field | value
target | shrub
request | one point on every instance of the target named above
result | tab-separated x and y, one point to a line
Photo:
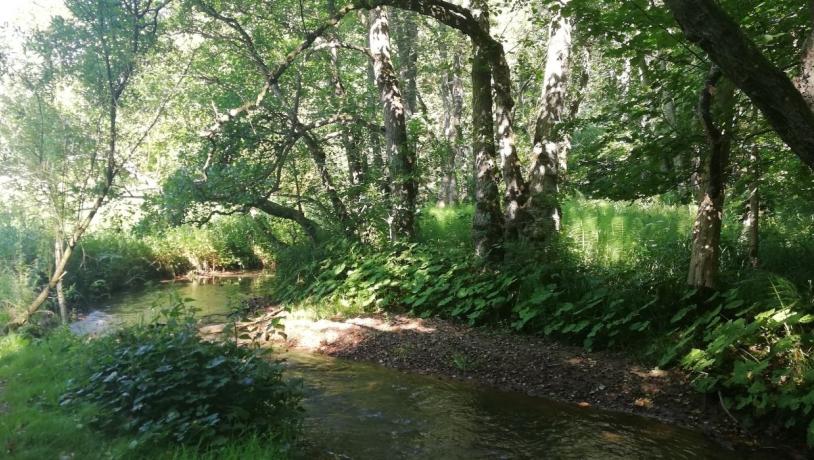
425	281
163	383
106	262
753	351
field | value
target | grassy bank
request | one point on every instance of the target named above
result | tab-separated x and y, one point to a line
36	424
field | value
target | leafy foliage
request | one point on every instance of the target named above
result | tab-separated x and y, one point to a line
163	383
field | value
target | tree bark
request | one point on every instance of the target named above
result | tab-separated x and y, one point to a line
400	157
487	231
406	33
805	82
515	187
751	221
771	90
550	144
706	246
61	302
354	157
271	208
452	96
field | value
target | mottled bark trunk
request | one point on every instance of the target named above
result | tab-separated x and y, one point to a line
771	90
400	157
706	246
515	187
59	244
751	221
805	82
487	231
406	33
697	177
550	144
453	94
376	154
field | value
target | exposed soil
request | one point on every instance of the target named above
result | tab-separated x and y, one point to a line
533	365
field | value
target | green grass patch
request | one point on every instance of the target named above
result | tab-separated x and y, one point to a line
35	373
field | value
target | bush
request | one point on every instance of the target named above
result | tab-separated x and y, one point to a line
423	280
752	349
230	242
106	262
163	383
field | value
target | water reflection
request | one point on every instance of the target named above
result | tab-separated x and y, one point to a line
358	410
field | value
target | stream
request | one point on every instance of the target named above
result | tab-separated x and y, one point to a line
358	410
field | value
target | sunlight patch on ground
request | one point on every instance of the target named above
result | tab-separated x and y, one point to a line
308	334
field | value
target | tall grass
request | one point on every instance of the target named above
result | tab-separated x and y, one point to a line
609	232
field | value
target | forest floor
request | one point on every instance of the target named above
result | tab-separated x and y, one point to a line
532	365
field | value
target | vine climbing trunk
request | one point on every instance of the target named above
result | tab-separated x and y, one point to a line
550	144
487	231
400	157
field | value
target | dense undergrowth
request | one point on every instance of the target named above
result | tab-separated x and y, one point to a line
614	280
143	392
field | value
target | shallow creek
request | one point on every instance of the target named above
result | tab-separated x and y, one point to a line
363	411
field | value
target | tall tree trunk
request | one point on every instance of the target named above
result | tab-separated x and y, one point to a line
400	157
706	246
487	231
406	33
751	221
453	94
550	145
111	169
515	187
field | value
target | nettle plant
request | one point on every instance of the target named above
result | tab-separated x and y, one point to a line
162	383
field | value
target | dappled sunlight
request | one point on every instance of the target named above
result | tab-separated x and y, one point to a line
336	336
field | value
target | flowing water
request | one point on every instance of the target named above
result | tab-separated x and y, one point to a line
363	411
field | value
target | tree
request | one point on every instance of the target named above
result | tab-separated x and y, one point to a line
400	156
706	233
487	231
101	48
550	143
452	94
771	90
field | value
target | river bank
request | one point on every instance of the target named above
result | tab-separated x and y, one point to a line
528	364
